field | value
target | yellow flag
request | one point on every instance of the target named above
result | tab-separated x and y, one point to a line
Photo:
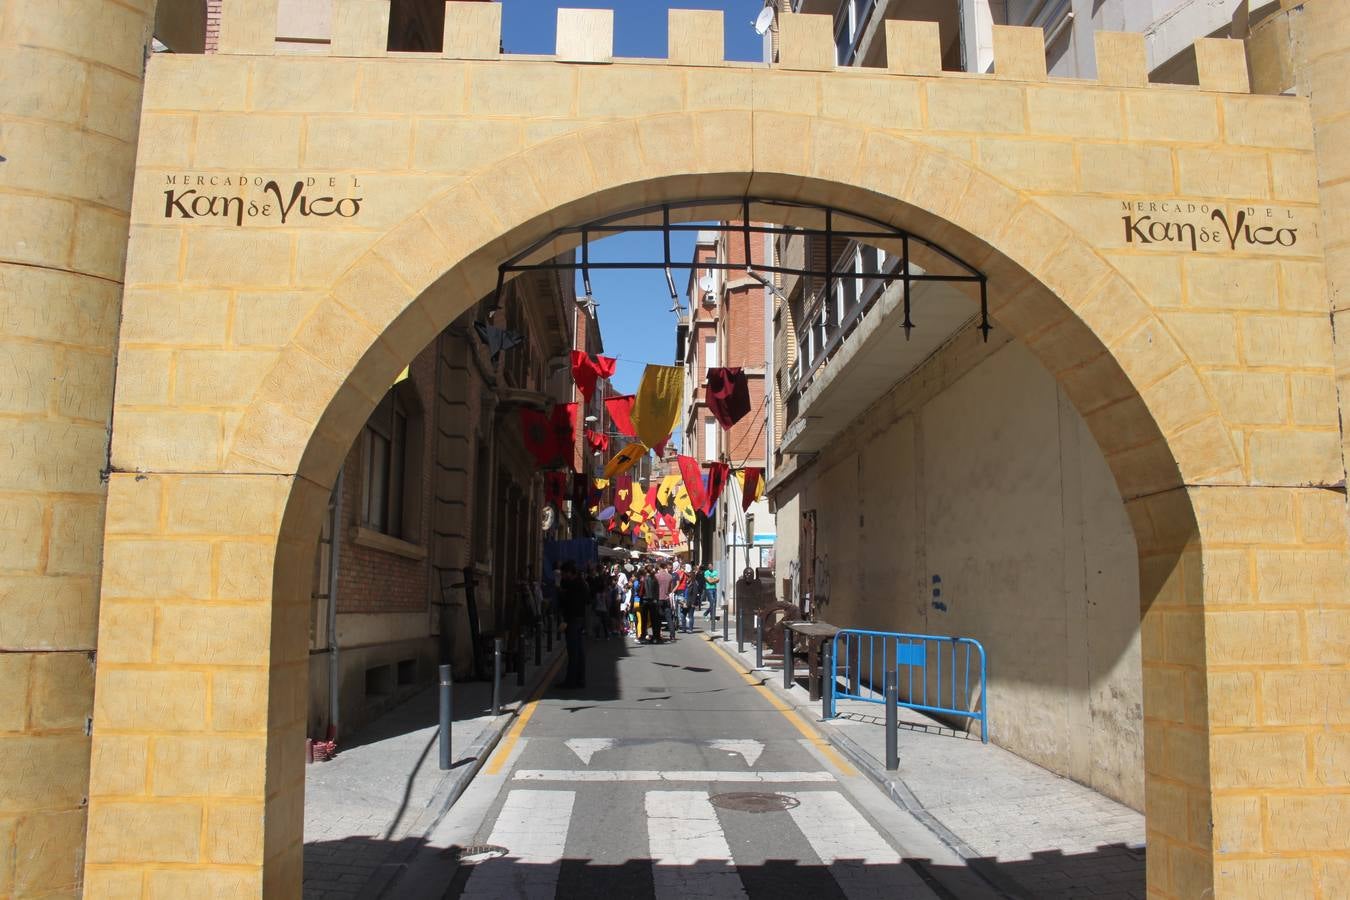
684	506
667	484
601	483
639	499
625	459
657	407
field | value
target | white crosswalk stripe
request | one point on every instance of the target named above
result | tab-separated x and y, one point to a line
689	853
860	860
532	825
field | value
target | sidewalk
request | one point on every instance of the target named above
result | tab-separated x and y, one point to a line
370	807
1029	832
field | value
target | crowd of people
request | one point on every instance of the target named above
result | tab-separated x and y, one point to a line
649	603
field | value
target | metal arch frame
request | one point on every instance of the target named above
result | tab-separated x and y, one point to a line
618	223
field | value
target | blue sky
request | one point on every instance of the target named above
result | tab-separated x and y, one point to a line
635	318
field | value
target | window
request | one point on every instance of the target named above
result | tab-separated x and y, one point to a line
710	439
709	354
390	463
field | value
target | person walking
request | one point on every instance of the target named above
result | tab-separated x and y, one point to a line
651	605
572	596
684	611
695	592
710	581
665	584
639	611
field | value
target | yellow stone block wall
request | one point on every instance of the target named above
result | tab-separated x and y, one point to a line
69	104
1206	377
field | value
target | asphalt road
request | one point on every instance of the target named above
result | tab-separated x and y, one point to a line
675	774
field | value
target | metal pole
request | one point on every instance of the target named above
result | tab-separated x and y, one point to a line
892	720
538	636
520	660
788	675
496	676
740	629
447	715
548	629
827	680
759	642
725	626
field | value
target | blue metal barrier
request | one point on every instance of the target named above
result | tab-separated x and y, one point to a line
920	660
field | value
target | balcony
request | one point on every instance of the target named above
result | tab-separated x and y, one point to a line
853	349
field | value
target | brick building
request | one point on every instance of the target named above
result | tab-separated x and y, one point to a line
440	490
727	328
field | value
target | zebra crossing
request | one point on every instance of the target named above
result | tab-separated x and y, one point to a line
690	844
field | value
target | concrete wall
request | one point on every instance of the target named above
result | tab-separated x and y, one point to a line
986	487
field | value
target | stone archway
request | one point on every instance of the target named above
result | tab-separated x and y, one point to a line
211	514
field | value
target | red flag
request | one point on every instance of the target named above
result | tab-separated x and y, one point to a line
753	487
597	440
555	487
537	431
660	449
620	411
587	369
563	423
693	481
717	479
728	395
623	486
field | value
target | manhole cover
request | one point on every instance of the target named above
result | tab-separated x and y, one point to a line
477	853
754	801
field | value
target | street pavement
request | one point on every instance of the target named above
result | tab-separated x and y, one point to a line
676	774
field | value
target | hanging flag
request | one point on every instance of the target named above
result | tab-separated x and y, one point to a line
752	485
587	369
497	339
537	431
555	488
668	484
597	440
717	479
563	421
684	507
625	459
728	395
658	403
660	449
693	481
620	410
622	485
601	483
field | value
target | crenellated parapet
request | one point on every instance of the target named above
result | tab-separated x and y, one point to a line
360	29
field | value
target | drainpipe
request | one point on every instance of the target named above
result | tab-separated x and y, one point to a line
335	511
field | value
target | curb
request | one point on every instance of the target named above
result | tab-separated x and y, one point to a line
893	787
457	782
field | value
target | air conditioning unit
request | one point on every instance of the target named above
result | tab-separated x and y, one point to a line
710	299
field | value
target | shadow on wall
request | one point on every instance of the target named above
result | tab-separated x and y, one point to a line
1110	871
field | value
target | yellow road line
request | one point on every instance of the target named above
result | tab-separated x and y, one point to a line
508	743
805	728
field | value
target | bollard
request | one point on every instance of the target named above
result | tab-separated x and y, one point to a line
538	637
520	660
827	680
788	675
740	631
548	629
892	720
447	715
759	642
496	676
724	628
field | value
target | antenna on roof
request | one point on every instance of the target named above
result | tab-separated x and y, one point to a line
765	20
